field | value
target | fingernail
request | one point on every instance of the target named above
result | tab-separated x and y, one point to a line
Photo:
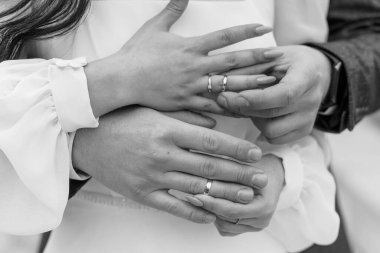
211	122
259	181
273	54
222	101
254	154
245	195
261	30
194	201
265	79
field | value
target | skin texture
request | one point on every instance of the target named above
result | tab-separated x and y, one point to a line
146	153
141	154
161	70
286	111
255	215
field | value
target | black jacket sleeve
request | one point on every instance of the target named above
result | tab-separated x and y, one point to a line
355	40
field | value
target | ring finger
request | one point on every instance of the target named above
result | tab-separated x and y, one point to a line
220	83
218	189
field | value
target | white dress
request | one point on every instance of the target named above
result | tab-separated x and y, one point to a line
42	102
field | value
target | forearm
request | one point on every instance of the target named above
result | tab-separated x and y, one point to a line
107	89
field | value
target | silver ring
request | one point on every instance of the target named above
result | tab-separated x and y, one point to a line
208	187
209	86
237	221
225	80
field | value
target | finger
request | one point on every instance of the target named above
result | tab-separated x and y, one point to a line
268	113
289	137
193	118
170	14
279	127
202	104
228	227
257	223
197	185
229	36
292	87
221	83
263	68
225	208
216	168
279	95
233	60
163	201
213	142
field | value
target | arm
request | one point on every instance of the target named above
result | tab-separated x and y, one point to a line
354	40
40	103
43	101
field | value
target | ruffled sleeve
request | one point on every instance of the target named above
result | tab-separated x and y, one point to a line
41	102
305	213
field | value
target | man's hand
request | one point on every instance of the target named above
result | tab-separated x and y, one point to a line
141	154
235	218
286	111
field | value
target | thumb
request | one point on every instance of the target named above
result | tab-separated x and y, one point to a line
172	12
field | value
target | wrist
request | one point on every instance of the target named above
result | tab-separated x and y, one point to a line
324	71
330	101
107	86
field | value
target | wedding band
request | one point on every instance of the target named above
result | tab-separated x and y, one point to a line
209	86
225	80
237	221
207	187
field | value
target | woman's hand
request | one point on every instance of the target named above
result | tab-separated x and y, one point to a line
286	111
141	154
161	70
236	218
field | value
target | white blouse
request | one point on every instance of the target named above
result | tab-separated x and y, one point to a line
42	102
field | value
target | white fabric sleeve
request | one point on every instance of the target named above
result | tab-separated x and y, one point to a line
41	101
305	213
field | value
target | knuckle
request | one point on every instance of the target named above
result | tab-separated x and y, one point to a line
231	61
247	82
225	37
250	31
210	142
174	7
208	168
195	187
173	208
240	150
224	193
241	175
160	156
206	106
